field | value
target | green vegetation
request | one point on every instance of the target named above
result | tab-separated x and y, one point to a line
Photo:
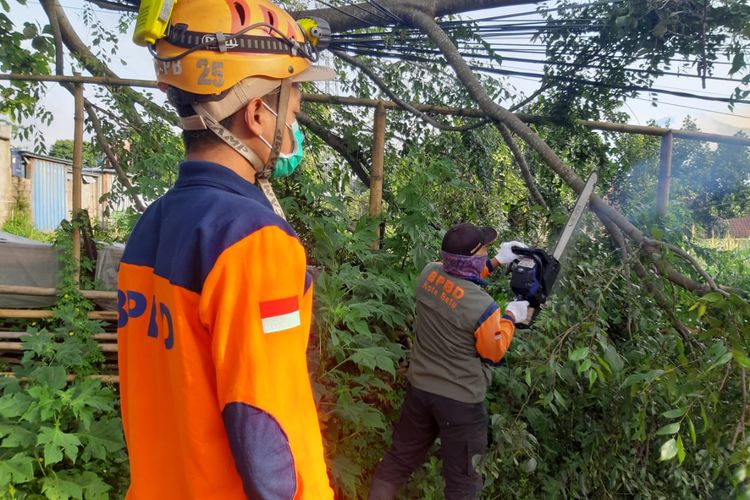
61	438
19	223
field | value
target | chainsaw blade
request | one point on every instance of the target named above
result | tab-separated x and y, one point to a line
575	217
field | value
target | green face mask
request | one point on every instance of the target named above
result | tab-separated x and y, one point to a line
287	163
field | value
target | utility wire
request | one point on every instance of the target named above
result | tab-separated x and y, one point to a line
385	9
562	78
654	73
344	12
368	12
692	107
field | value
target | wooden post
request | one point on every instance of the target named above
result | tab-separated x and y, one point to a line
77	177
376	174
665	174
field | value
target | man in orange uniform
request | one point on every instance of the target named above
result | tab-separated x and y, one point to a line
214	298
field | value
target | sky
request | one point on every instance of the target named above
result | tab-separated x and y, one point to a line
712	117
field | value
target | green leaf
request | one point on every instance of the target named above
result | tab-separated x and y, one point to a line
40	343
680	450
14	405
360	413
16	470
677	412
704	417
579	354
93	486
668	450
61	487
16	436
724	359
559	398
584	365
632	379
738	62
740	358
691	427
592	378
669	429
613	358
88	397
527	377
55	442
376	357
104	436
712	297
52	376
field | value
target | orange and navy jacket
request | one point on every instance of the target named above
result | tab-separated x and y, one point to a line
460	332
214	307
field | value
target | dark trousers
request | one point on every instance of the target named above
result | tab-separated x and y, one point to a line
462	428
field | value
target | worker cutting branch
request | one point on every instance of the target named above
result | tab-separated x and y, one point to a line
460	332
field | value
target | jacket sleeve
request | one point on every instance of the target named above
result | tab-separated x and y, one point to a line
493	334
256	304
488	269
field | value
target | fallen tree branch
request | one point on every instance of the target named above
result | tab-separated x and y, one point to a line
352	154
522	165
665	269
690	259
111	158
463	71
500	114
94	66
661	300
52	8
528	99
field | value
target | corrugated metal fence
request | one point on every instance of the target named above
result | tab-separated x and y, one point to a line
48	194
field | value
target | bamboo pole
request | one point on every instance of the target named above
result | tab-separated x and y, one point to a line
426	108
665	175
51	292
46	314
18	346
107	379
102	337
77	177
77	78
376	172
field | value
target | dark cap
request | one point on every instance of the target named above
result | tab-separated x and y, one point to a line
467	239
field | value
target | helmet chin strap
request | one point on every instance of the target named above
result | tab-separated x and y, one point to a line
262	170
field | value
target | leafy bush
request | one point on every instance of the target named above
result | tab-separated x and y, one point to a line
61	436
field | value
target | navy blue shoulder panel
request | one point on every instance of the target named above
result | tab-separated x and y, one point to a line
486	314
183	233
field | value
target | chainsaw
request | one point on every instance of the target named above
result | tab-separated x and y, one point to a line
534	273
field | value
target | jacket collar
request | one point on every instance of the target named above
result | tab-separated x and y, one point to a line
205	173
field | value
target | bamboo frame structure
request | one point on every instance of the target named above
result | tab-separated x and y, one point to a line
47	314
426	108
376	173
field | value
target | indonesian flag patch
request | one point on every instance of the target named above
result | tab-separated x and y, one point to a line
279	315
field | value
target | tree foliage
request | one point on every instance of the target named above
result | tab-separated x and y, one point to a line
63	148
629	384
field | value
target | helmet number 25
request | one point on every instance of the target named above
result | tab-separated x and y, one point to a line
212	74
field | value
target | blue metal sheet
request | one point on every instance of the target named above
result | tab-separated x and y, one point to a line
48	194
